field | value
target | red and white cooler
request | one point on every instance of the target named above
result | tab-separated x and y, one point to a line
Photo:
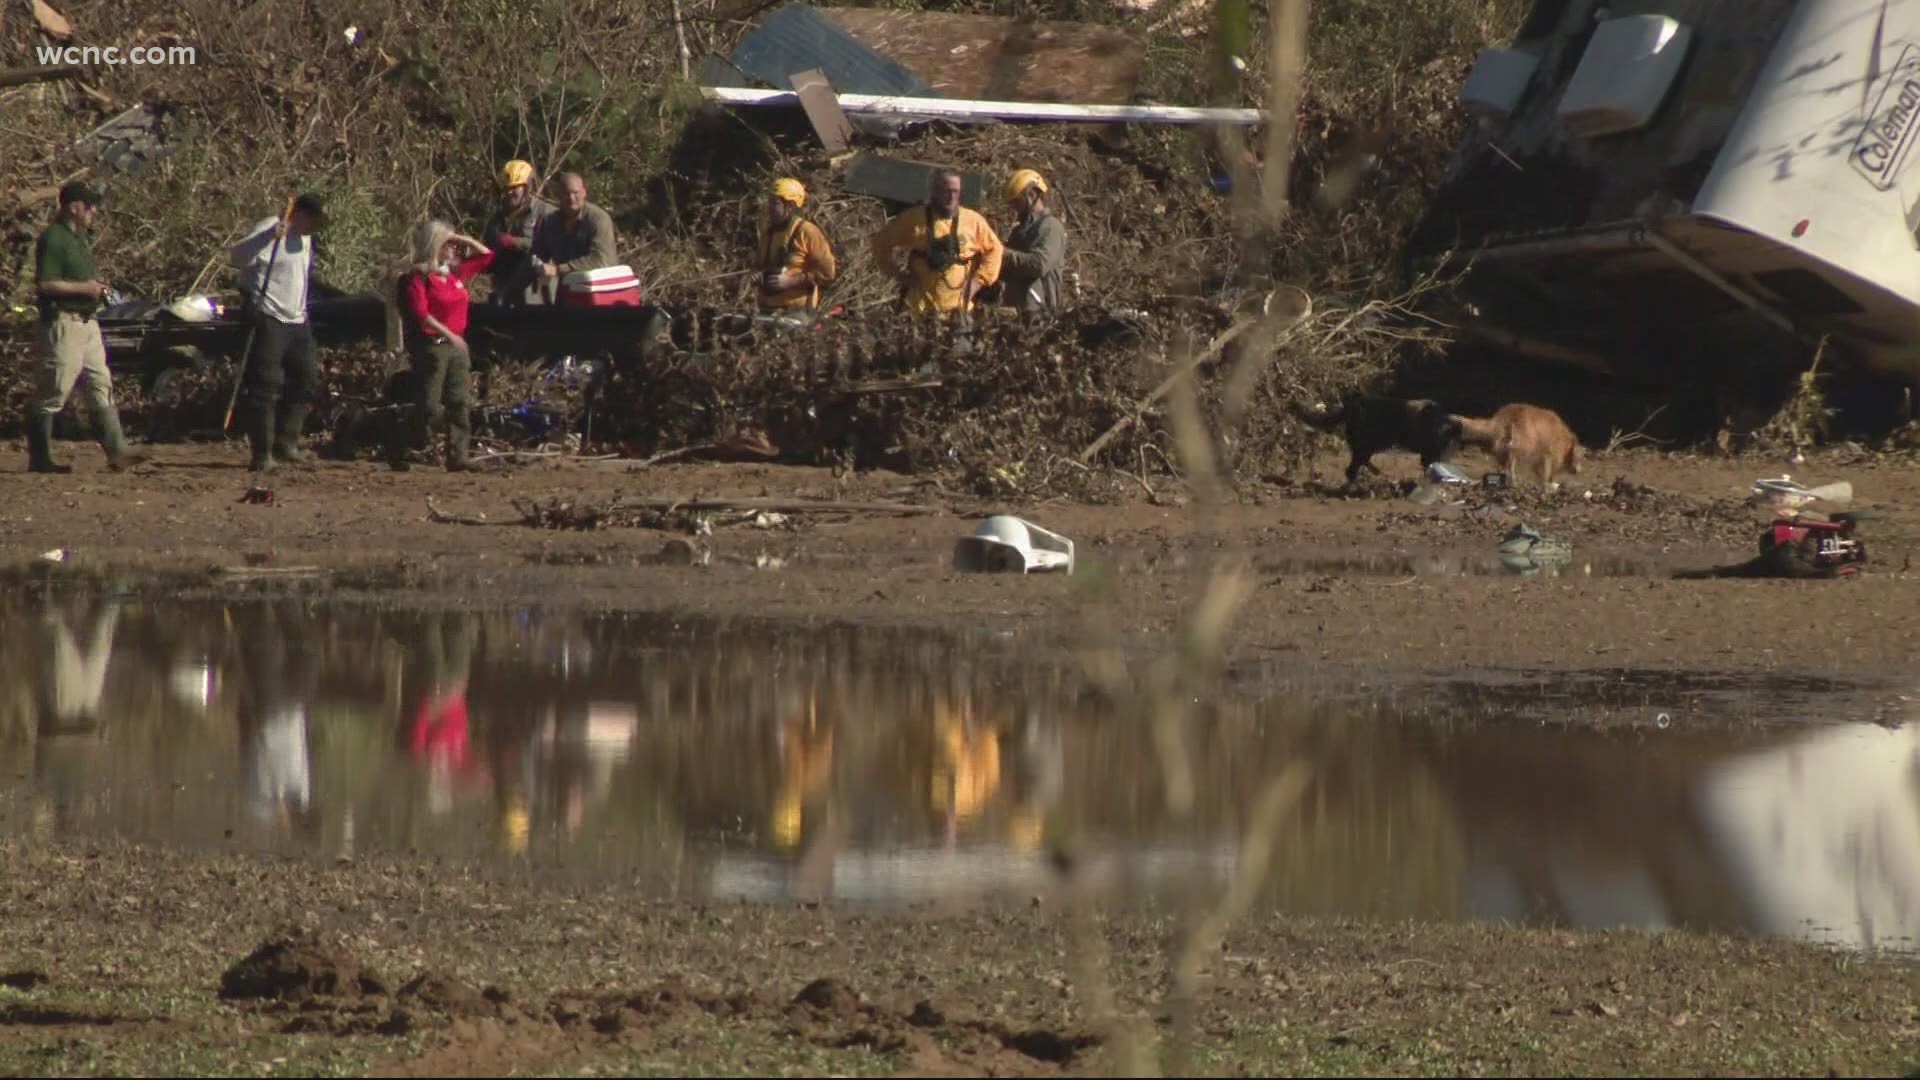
609	286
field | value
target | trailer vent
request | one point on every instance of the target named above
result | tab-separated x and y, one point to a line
1496	84
1624	75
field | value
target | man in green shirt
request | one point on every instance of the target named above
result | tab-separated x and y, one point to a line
579	236
70	343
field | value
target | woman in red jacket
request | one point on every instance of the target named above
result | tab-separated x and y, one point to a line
433	300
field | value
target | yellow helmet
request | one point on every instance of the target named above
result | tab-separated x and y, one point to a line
516	172
1019	182
790	189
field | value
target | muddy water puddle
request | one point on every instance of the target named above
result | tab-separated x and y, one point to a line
867	765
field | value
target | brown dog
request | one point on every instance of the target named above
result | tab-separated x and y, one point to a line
1525	440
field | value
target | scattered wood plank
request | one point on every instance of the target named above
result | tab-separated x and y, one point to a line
441	517
35	196
776	506
20	76
51	21
270	571
823	109
996	110
888	386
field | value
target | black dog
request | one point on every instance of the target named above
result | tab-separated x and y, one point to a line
1373	424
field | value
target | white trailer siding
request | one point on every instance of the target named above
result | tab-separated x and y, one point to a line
1820	160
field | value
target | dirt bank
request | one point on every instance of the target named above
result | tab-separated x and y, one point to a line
123	959
1348	587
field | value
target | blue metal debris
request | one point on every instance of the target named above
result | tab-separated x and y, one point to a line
798	37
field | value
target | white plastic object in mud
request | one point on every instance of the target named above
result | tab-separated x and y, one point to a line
197	308
1785	495
1009	545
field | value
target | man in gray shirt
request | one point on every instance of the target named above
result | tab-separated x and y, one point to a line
1033	270
282	372
579	236
510	231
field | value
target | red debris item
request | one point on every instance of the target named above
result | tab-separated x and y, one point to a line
259	496
1806	547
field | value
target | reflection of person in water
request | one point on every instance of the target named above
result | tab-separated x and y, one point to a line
277	680
966	763
579	746
68	697
511	765
438	736
806	762
71	697
1039	772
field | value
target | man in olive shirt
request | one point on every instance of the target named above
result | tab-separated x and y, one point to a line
70	341
579	236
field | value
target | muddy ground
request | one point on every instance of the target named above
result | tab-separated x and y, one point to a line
122	960
112	957
1350	587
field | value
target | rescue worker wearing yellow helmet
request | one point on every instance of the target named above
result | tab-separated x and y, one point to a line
509	233
952	253
1033	272
796	261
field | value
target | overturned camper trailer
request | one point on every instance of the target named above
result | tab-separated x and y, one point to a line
1696	188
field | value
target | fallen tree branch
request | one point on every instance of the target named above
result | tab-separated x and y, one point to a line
441	517
269	571
669	455
776	506
887	386
20	76
1206	357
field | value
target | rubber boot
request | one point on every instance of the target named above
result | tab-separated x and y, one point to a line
40	444
459	439
399	440
287	446
260	433
114	441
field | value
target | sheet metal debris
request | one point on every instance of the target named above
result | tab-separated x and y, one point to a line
957	109
892	68
798	37
905	182
991	57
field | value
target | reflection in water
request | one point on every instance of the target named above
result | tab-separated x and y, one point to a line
861	764
1821	835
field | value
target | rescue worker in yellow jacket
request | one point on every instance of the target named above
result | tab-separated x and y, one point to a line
952	253
795	259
